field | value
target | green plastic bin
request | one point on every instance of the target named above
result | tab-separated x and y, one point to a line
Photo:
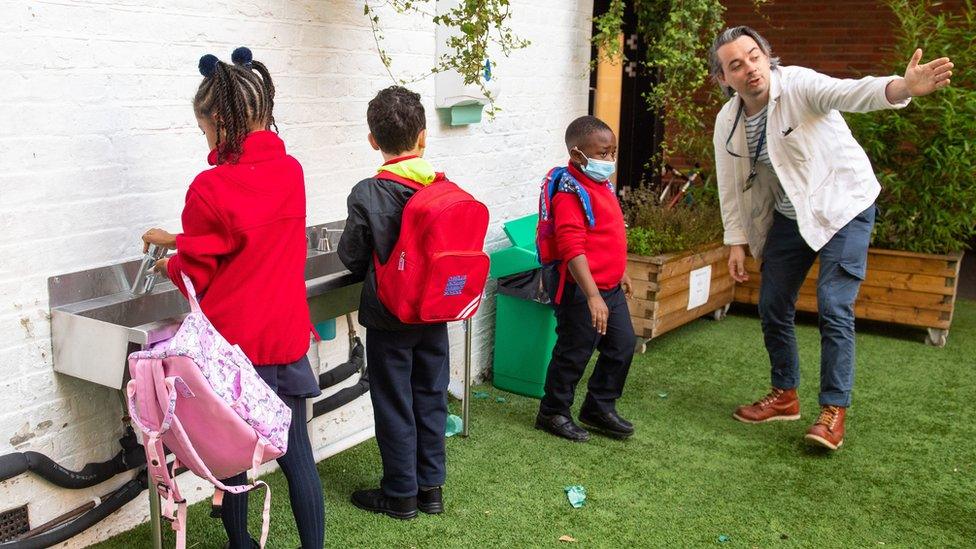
525	330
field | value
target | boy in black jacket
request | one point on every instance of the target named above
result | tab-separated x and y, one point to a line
408	364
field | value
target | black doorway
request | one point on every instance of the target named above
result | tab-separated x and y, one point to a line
641	131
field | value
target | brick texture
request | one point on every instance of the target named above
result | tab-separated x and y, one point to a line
100	143
841	38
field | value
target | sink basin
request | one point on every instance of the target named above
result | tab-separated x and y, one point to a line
331	289
96	322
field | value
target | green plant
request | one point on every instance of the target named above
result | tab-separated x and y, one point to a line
480	23
653	229
924	155
677	35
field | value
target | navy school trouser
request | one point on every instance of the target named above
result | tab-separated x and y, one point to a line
304	488
409	372
786	261
576	339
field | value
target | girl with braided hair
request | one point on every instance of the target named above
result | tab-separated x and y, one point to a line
243	247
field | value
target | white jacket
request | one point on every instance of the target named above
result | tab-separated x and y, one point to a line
822	169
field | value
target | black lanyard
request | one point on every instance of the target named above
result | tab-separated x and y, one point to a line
759	145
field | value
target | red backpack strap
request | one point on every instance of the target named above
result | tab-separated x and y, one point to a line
390	176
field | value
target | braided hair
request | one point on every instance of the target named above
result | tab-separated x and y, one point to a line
237	96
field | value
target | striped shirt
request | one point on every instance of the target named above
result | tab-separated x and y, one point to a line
754	127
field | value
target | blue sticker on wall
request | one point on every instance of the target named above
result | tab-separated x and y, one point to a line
455	285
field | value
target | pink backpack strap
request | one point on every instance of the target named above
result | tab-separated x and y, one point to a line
174	504
201	467
191	293
164	392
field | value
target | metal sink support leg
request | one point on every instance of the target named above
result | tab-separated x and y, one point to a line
155	505
465	403
155	524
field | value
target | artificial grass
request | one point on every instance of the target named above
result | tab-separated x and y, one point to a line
906	475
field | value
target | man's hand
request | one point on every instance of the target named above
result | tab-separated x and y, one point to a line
627	286
920	79
599	313
737	263
158	237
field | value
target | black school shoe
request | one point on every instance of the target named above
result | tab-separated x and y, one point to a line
254	544
375	501
561	426
430	500
609	423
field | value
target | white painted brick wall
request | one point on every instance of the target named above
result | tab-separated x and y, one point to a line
99	143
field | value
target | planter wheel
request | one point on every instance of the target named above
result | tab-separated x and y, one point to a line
719	314
937	337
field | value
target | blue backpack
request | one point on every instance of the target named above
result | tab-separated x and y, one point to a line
554	269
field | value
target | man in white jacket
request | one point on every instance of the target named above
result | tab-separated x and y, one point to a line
794	185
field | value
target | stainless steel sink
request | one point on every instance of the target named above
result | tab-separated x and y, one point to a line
331	289
96	322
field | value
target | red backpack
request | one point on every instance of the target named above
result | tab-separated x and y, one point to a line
438	268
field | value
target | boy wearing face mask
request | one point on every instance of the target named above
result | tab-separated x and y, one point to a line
590	245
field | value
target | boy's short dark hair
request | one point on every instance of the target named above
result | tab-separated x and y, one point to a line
395	118
581	128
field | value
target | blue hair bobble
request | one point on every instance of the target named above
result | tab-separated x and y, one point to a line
208	65
242	56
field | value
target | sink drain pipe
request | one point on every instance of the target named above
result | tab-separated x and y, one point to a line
342	372
131	456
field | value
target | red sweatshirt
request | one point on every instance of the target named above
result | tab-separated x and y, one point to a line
604	244
243	247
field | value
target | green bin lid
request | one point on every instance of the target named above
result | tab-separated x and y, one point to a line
512	260
521	231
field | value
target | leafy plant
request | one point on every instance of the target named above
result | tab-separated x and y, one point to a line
924	154
653	229
678	36
480	23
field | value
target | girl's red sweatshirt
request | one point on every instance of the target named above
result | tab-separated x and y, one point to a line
243	247
604	244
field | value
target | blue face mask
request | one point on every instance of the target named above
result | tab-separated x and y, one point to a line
598	170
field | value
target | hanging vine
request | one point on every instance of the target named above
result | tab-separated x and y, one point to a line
479	24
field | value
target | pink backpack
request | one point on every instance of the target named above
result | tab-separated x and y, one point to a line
200	397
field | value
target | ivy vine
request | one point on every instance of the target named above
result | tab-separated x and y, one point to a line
480	23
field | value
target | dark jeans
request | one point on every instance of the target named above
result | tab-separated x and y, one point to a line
304	488
576	339
786	262
409	372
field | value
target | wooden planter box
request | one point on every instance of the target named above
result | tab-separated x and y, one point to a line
900	287
662	289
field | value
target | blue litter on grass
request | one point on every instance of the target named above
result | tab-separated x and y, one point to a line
501	399
723	538
481	395
576	495
454	425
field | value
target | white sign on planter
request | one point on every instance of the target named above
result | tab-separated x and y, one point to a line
699	284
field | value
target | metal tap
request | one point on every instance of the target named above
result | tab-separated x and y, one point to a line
146	276
324	244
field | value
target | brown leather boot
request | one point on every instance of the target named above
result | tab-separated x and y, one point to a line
828	430
778	405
